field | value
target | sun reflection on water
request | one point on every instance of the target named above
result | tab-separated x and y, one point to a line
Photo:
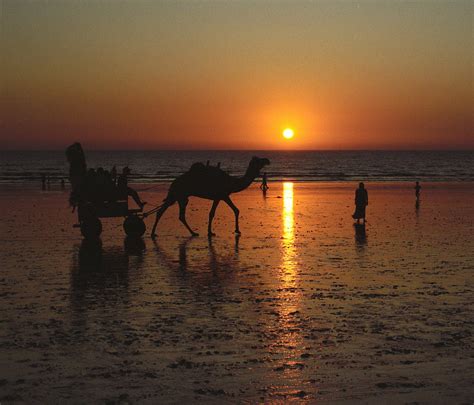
288	265
288	344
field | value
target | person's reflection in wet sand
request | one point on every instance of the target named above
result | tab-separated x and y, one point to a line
90	256
360	236
134	246
135	249
100	278
98	269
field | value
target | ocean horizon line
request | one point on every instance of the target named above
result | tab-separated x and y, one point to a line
149	166
242	150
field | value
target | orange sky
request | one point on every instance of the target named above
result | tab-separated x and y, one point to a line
233	75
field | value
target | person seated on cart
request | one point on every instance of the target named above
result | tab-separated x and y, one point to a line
123	189
88	190
105	185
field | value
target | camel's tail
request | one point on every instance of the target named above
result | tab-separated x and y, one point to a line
167	202
170	199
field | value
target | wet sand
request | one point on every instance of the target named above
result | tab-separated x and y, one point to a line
303	306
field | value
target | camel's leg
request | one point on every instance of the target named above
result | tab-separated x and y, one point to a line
212	212
236	212
159	214
182	215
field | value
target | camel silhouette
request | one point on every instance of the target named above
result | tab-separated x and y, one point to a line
211	183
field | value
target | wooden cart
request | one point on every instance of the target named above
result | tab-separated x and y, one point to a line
93	206
89	214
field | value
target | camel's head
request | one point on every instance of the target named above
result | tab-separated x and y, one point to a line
258	163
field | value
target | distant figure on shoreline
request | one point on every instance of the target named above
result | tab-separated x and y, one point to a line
43	181
264	186
63	184
417	191
361	202
113	175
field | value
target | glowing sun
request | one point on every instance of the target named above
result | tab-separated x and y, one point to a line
288	133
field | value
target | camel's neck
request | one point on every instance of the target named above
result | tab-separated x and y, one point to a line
246	180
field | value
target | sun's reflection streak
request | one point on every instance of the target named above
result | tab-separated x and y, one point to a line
289	254
288	343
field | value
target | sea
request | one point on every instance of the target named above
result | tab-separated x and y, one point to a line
313	166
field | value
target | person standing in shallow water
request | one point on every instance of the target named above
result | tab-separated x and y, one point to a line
361	202
417	191
264	186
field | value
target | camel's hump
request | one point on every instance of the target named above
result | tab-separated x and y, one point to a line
201	170
203	180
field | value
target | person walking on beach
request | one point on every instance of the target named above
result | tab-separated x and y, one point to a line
417	191
361	202
264	186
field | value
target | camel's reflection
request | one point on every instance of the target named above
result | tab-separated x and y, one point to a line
216	261
199	264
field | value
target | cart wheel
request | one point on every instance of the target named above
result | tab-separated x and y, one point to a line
91	228
134	226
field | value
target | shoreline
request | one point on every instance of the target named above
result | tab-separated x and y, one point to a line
158	185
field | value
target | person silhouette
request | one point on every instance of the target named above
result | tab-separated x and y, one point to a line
264	186
417	191
361	202
113	175
122	185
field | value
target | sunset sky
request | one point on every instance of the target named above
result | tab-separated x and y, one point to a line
234	74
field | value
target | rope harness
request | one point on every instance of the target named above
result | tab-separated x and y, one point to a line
152	211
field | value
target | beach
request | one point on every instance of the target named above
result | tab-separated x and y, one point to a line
303	306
